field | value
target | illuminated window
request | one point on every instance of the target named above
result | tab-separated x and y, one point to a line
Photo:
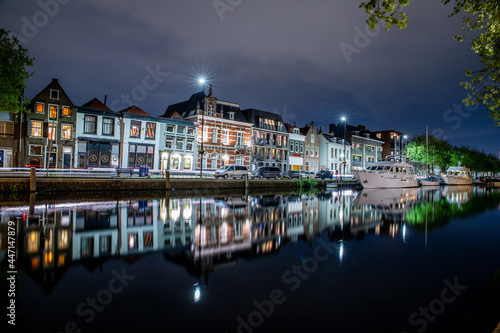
33	241
6	129
52	131
61	259
188	163
39	108
36	129
53	112
90	125
135	129
48	259
63	239
150	130
133	242
34	263
67	111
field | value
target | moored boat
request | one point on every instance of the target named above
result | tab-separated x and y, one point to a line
430	181
457	175
390	173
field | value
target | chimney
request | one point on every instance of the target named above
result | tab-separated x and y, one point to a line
54	80
105	99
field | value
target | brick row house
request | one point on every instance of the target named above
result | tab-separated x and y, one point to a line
48	131
223	130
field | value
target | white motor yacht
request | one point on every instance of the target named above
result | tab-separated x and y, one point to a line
458	175
391	173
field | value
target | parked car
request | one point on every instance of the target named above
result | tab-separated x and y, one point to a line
231	171
324	174
305	174
266	172
291	174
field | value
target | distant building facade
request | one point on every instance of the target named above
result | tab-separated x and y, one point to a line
224	133
98	135
48	131
296	148
311	145
178	144
269	140
332	152
366	149
394	142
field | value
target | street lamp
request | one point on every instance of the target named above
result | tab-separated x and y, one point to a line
344	120
202	82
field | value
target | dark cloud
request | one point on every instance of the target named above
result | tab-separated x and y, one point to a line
280	56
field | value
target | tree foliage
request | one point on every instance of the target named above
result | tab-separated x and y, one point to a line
482	16
14	60
446	155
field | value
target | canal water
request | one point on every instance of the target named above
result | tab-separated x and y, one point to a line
409	260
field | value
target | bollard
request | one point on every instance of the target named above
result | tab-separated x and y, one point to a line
32	180
167	179
32	204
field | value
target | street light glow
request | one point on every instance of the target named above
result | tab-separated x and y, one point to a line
201	80
343	119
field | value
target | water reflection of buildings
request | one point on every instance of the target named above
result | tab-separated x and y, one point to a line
382	211
199	234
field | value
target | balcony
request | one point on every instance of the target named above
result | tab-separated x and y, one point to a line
240	147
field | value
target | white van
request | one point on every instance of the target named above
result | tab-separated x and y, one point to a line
231	171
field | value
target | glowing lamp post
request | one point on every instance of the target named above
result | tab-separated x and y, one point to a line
344	120
202	81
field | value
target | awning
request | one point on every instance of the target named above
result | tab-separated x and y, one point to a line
83	138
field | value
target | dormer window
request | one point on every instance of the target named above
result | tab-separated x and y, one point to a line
296	131
231	115
54	94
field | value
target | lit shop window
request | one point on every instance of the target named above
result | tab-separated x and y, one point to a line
135	129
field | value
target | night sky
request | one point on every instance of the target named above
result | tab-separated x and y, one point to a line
307	60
